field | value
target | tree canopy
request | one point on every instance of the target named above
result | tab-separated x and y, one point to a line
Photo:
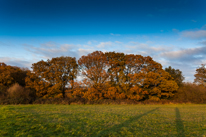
12	74
116	75
50	78
200	76
109	75
176	74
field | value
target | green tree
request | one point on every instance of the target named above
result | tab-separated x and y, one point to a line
176	74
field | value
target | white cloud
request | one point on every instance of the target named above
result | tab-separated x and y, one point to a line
115	34
118	42
198	34
89	42
190	52
104	44
146	49
204	27
203	42
4	44
175	30
49	44
20	62
46	51
84	52
187	60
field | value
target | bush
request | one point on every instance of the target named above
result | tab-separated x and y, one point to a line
19	95
2	92
190	92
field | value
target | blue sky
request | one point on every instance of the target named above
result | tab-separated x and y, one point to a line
173	32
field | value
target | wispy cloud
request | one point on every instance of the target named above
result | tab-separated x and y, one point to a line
115	34
20	62
188	53
203	42
48	50
147	49
118	42
81	51
51	49
187	60
197	34
4	44
204	27
175	30
104	44
193	20
89	42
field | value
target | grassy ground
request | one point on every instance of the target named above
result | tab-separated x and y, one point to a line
103	120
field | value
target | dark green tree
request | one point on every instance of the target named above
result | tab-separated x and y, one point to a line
200	76
176	74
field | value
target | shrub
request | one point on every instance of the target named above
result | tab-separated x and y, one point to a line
19	95
190	92
2	90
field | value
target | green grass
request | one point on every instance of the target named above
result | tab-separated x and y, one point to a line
103	120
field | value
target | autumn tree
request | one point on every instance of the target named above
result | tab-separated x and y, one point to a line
200	76
93	69
115	70
116	75
12	74
116	65
51	78
134	74
147	79
159	85
176	74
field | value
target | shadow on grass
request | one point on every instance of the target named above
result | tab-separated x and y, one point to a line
124	124
179	124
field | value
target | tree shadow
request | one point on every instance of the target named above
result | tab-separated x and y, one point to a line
179	124
124	124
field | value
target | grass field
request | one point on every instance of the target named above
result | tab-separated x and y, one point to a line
103	120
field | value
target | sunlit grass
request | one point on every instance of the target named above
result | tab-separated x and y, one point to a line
103	120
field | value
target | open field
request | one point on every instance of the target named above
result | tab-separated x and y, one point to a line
103	120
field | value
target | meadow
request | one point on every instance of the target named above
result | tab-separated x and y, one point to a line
103	120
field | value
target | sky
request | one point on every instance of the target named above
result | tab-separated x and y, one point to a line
172	32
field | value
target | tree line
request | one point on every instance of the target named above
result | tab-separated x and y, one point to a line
95	77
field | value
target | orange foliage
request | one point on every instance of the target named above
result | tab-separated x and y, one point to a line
107	75
50	78
112	93
132	76
93	94
93	67
137	93
12	74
